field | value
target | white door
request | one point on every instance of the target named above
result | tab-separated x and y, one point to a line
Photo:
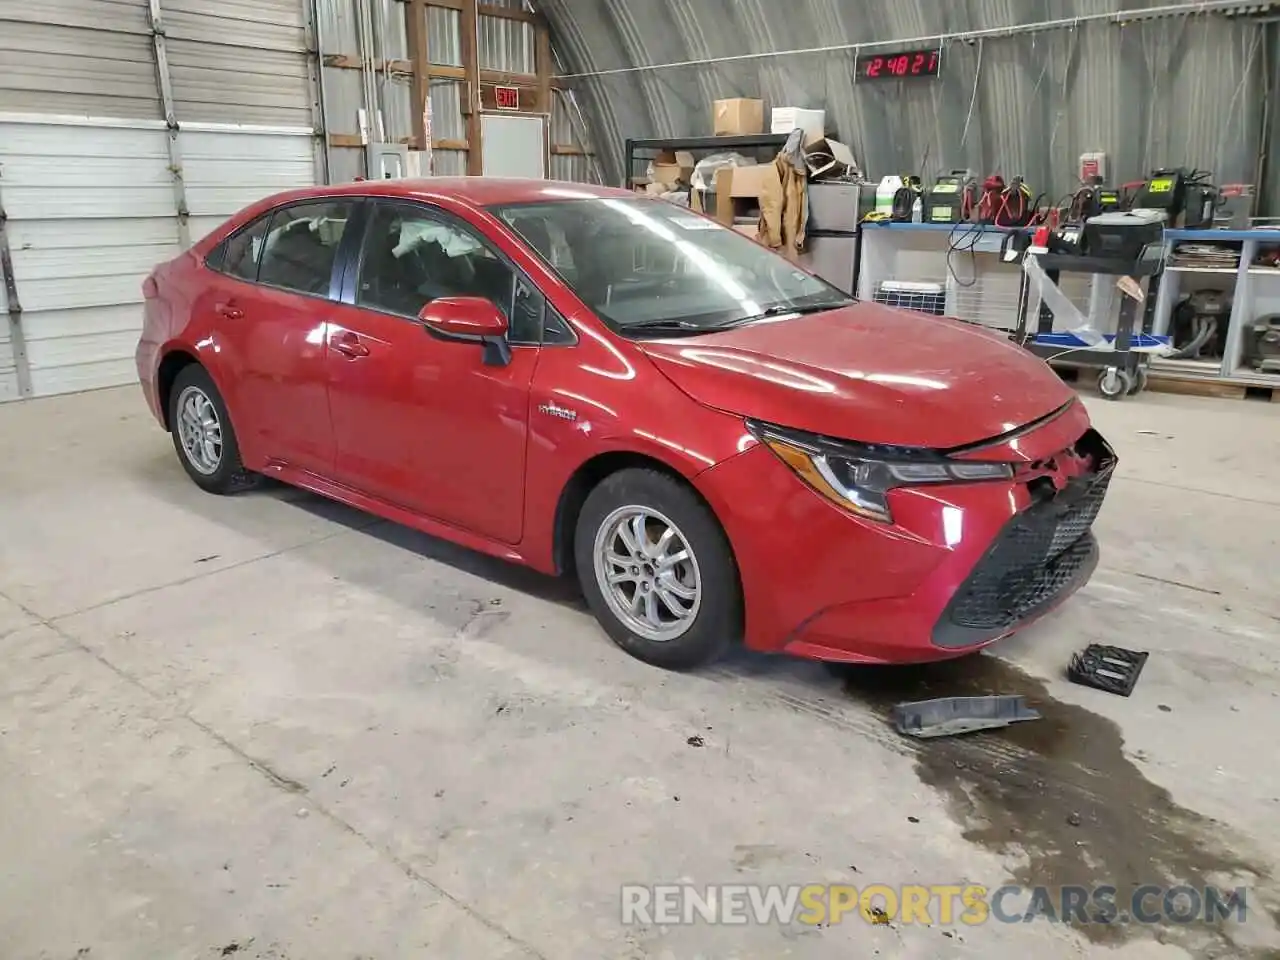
513	146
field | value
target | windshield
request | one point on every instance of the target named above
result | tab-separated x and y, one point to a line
649	262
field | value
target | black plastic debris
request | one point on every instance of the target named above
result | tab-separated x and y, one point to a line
948	716
1112	669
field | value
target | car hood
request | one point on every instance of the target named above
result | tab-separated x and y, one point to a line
868	373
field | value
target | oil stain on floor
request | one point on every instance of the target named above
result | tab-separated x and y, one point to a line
1060	795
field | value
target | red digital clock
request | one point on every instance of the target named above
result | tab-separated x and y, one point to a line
897	66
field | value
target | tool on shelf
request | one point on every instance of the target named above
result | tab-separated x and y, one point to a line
953	198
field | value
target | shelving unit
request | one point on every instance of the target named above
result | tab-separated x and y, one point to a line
1255	293
760	145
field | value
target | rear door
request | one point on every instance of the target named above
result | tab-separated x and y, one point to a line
419	421
271	302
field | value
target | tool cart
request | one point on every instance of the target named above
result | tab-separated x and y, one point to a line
1126	246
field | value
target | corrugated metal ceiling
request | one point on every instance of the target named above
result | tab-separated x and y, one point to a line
1164	89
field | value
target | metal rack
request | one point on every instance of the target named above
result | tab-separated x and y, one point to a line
759	142
1255	291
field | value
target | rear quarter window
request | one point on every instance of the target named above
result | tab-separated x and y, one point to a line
239	254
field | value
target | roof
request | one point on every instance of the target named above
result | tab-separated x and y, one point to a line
477	191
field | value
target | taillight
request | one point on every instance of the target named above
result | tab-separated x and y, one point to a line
149	289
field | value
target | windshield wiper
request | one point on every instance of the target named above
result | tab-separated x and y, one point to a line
665	326
780	310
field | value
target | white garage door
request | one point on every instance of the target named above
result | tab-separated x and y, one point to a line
93	195
91	208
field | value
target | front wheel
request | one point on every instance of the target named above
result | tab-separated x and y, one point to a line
657	570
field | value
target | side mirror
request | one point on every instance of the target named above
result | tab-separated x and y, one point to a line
469	320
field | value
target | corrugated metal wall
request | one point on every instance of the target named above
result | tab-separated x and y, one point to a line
95	187
357	31
1172	90
347	27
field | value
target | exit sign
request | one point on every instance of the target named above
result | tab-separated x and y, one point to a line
506	98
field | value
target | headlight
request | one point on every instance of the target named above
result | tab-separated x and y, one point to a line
859	478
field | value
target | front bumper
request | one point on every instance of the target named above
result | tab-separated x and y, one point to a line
962	566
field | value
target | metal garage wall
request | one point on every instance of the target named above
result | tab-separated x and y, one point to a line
1026	85
98	187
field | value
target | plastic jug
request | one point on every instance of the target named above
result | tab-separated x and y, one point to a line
889	186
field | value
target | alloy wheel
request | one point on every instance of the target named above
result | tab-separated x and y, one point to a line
647	573
199	430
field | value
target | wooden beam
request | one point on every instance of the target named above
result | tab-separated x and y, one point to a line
345	140
341	61
449	145
446	72
470	25
446	4
506	13
508	79
569	150
416	32
542	66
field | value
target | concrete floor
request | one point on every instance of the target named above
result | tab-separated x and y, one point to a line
265	726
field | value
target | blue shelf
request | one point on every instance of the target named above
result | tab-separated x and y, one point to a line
1205	236
1209	236
944	227
1139	341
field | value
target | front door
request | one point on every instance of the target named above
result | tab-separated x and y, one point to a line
271	304
423	422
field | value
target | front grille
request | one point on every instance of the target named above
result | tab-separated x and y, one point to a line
1038	554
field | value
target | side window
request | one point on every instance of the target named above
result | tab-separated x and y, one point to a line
238	254
412	257
302	244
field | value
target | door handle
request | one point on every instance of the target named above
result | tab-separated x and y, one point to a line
229	310
349	346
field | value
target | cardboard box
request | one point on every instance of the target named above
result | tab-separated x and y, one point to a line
737	192
812	122
827	159
737	116
671	167
743	182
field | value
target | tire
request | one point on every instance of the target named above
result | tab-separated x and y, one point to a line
215	466
1140	378
1114	383
704	586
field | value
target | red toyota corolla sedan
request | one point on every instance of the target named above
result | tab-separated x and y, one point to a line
721	445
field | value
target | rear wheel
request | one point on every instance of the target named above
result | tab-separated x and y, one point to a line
657	570
202	433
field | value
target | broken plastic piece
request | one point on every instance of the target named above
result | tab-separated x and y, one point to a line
948	716
1113	669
